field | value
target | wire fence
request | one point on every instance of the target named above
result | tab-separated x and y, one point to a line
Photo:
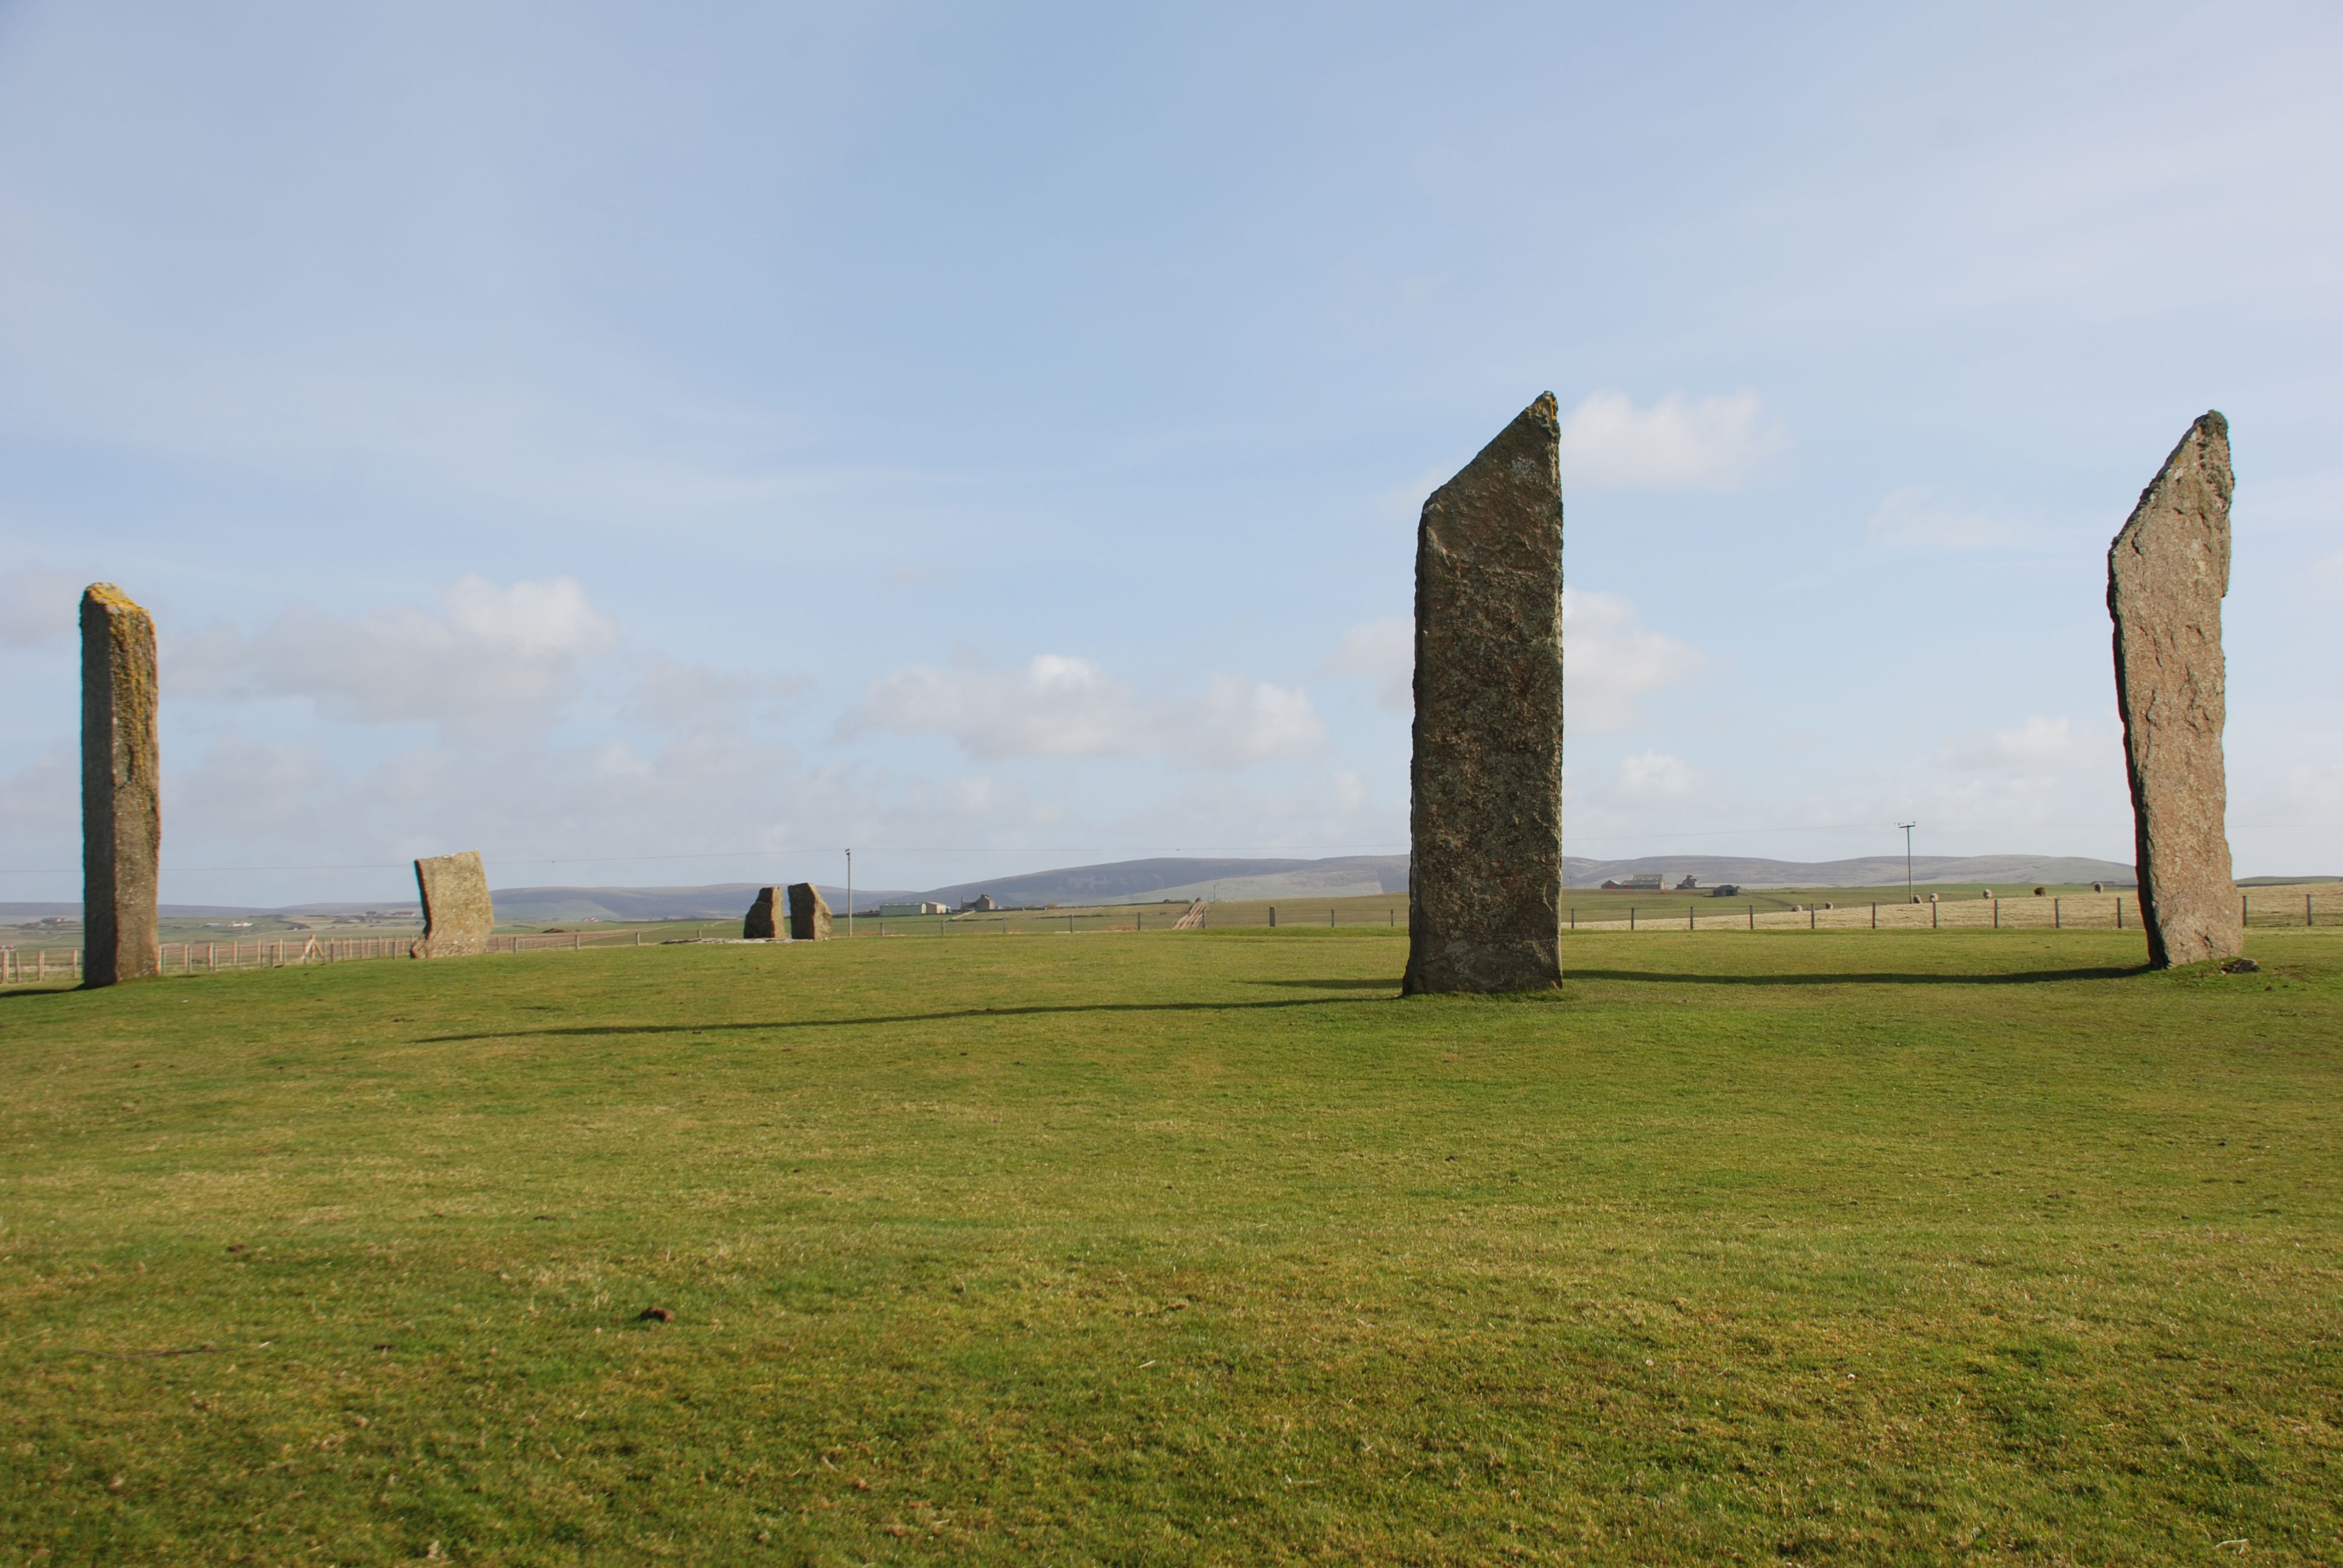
2070	911
45	965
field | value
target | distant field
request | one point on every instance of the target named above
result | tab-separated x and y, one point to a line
1793	1247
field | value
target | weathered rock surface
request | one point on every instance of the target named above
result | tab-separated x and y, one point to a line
1484	895
761	924
809	914
2167	572
121	805
457	914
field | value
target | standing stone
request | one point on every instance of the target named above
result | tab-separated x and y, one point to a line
760	924
808	915
457	913
121	807
2167	572
1484	886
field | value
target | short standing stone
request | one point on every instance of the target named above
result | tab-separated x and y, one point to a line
121	807
1484	886
2167	572
761	922
809	914
457	915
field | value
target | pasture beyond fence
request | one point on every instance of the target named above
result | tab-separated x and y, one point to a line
2262	907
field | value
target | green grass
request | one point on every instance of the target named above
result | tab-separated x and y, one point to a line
1195	1249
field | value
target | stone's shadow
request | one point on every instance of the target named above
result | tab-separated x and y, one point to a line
952	1017
2029	977
1391	985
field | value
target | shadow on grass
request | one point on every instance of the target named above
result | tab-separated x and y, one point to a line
1390	983
953	1016
2025	977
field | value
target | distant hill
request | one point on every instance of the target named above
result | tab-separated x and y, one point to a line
1865	871
1138	881
1192	876
717	901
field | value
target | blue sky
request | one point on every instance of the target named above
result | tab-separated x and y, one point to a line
666	445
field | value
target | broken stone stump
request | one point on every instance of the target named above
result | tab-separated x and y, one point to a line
2167	572
761	922
808	915
121	806
1484	886
457	913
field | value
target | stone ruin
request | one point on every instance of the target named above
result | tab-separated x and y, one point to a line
457	914
2167	572
762	921
808	915
121	801
1484	886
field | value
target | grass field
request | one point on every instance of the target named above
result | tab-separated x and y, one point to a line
1815	1248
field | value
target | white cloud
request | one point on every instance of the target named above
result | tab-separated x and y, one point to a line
1383	650
37	605
1650	777
488	657
1913	516
1609	659
1060	706
687	697
1678	443
2040	743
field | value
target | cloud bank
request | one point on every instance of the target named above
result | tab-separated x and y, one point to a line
1679	443
1060	706
488	657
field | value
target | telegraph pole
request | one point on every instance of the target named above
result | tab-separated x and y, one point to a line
850	893
1908	828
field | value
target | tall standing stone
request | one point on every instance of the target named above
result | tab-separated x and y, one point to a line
457	914
809	914
1484	889
763	924
2167	572
121	805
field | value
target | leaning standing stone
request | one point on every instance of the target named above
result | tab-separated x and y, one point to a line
121	807
457	913
760	924
809	914
1484	888
2167	572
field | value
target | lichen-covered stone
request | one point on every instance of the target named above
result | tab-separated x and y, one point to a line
121	803
2167	572
809	913
457	914
1484	889
761	924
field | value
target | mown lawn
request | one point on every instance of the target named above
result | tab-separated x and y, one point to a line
1169	1249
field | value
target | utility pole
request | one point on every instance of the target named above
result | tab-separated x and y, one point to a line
1908	828
850	893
